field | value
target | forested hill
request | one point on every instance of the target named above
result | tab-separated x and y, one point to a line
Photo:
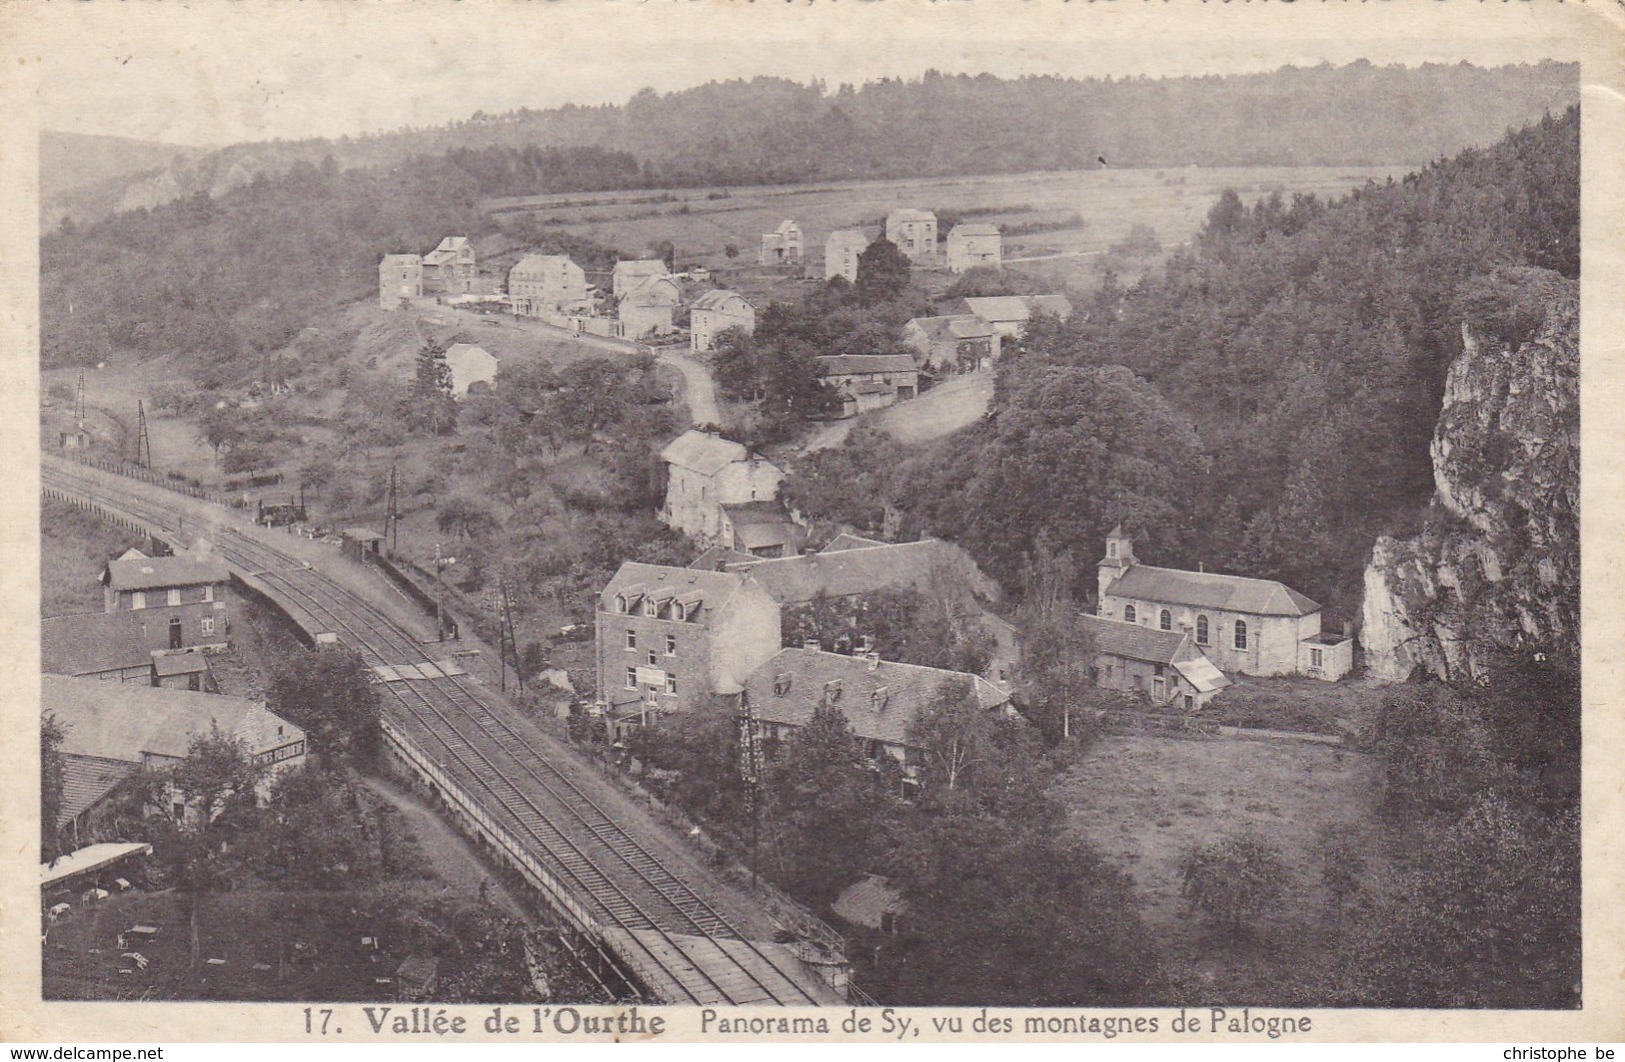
1265	405
771	130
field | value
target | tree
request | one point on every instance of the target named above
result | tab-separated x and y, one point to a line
1055	675
1233	881
311	837
465	517
430	406
329	695
217	777
734	364
1490	917
826	814
1342	865
52	769
883	272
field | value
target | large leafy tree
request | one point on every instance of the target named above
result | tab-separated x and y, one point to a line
329	694
883	271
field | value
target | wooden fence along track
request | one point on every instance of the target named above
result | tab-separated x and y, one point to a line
670	941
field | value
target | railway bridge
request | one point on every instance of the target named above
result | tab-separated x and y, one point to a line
675	930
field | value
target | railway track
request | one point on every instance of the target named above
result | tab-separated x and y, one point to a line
656	921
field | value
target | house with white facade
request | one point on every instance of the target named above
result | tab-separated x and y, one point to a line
841	253
716	312
915	234
974	245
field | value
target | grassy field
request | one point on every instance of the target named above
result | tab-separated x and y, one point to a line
701	223
945	408
73	549
1145	801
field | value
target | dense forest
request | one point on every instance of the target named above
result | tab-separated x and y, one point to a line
1264	403
773	130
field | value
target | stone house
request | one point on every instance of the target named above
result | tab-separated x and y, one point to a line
1007	314
880	698
715	312
1163	666
184	598
646	308
450	268
542	284
632	273
1245	626
400	276
915	234
704	472
761	529
870	381
669	638
782	246
951	344
136	728
841	253
973	245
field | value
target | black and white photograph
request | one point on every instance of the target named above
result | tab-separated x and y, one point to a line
810	521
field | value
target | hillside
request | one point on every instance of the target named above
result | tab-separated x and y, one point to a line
86	176
1265	403
771	130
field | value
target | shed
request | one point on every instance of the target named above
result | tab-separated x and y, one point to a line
361	543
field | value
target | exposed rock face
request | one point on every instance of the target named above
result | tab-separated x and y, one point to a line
1497	562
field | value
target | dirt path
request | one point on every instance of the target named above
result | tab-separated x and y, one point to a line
454	860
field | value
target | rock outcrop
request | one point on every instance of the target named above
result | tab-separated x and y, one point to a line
1496	564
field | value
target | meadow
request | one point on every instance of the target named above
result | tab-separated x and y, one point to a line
1094	209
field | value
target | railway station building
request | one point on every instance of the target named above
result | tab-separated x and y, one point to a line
183	598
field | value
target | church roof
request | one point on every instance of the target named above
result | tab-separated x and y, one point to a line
1230	593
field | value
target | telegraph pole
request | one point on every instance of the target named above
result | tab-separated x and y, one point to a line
143	444
391	513
79	403
508	643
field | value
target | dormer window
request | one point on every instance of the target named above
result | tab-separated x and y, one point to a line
650	608
1111	550
832	690
781	684
879	698
620	604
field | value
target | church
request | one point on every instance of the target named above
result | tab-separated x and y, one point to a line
1244	626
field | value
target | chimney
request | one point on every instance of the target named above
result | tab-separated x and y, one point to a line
810	645
874	660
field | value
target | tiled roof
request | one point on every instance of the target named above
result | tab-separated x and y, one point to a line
744	514
1230	593
712	589
124	721
953	326
786	227
699	452
717	559
156	573
96	641
796	580
87	779
1203	674
847	540
651	291
864	901
541	263
881	699
169	664
1134	642
1010	308
718	300
847	364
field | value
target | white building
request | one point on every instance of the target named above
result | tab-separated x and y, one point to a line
717	311
915	234
841	253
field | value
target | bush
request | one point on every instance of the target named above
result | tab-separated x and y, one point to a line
1233	881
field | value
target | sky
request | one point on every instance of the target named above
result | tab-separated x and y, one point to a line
204	72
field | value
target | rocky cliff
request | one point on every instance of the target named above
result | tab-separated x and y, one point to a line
1496	564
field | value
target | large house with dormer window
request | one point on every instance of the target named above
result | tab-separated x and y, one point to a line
668	638
1245	626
